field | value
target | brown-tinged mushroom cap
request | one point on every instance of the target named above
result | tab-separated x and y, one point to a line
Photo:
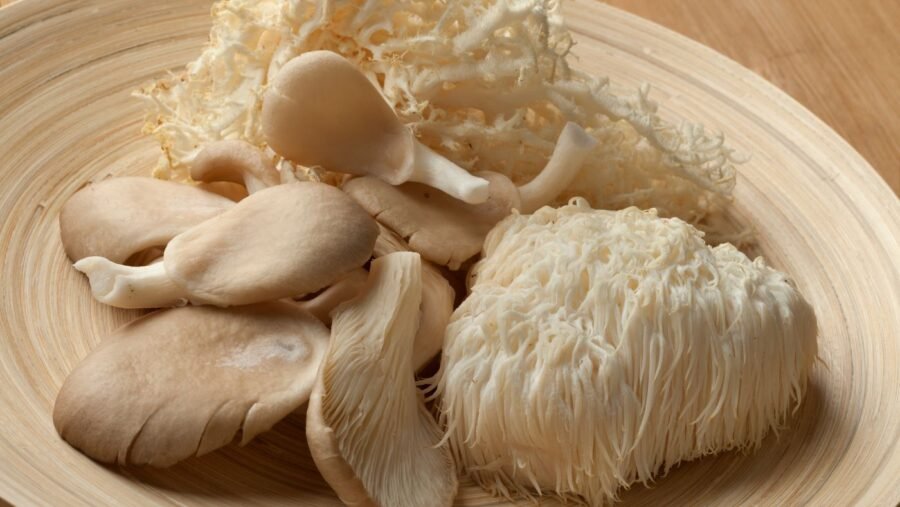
183	382
320	110
280	242
235	161
119	217
444	230
395	457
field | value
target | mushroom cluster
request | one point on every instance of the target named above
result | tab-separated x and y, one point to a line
271	294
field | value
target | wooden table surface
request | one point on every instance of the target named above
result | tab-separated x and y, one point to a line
839	58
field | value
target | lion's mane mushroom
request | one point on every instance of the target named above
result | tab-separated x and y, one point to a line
449	232
597	348
279	242
117	218
237	162
320	110
367	426
183	382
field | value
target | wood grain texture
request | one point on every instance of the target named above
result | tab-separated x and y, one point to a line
822	214
839	58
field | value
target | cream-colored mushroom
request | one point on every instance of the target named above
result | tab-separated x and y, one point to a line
437	301
279	242
120	217
235	161
320	110
449	232
183	382
394	458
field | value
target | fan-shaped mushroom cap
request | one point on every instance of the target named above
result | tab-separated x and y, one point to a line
235	161
184	382
395	458
280	242
119	217
444	230
320	110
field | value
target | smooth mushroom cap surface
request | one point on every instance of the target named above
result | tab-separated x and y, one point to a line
235	161
320	110
120	217
280	242
396	458
444	230
183	382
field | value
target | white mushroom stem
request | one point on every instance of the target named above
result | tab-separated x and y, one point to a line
131	287
572	147
436	171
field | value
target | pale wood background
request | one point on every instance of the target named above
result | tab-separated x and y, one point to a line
839	58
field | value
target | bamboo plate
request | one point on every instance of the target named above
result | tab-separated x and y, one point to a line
823	215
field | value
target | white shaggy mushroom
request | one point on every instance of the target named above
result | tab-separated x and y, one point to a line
598	348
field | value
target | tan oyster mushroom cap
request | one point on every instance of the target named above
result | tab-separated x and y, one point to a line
184	382
235	161
120	217
396	457
444	230
280	242
320	110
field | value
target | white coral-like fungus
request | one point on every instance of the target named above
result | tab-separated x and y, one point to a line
599	348
486	83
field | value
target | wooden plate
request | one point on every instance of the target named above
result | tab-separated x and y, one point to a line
823	215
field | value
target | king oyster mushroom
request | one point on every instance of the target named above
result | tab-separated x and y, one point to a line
369	432
320	110
447	231
183	382
279	242
117	218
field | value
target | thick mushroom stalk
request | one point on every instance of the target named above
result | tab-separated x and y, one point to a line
235	161
572	147
132	286
322	111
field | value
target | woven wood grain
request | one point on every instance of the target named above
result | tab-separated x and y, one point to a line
821	212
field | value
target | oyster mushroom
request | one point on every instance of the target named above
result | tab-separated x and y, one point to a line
119	217
396	457
320	110
449	232
183	382
279	242
437	301
237	162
